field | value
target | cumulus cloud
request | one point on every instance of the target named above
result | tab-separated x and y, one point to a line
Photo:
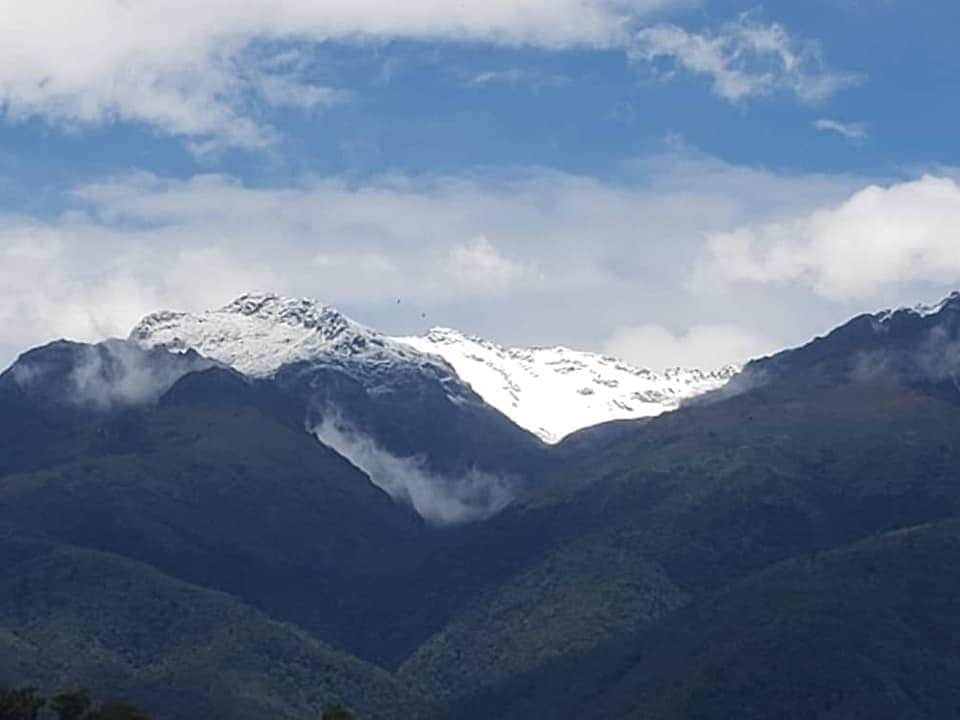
192	69
880	237
702	346
441	500
855	133
743	59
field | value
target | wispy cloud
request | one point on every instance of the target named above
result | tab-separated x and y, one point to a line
856	133
743	59
193	71
441	500
515	77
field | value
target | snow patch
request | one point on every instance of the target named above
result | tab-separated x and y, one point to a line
556	391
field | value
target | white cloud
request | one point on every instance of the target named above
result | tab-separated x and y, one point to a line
479	266
879	238
80	280
530	257
187	68
475	495
702	346
743	59
854	132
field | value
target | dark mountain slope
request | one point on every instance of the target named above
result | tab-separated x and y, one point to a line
714	493
402	415
864	632
55	399
418	410
817	449
216	486
706	496
568	602
72	616
919	346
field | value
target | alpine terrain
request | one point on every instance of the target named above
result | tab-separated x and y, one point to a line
268	510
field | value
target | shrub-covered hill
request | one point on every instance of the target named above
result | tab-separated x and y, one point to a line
865	631
800	464
214	487
79	617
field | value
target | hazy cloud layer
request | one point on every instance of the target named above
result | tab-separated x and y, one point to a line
691	261
529	257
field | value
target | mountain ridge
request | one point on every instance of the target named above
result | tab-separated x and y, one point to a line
624	532
549	391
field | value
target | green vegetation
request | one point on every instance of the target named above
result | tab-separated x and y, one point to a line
123	629
20	703
705	496
224	492
338	712
577	598
74	704
865	632
789	552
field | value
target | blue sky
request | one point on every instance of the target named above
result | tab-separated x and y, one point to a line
671	180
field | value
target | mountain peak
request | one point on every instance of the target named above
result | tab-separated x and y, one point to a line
911	344
550	391
302	312
260	332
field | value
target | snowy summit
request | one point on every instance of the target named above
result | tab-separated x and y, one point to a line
551	392
258	333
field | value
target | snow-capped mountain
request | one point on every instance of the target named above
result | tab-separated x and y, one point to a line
258	333
915	345
551	392
556	391
403	416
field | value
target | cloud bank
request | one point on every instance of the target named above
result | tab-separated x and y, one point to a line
691	258
525	257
